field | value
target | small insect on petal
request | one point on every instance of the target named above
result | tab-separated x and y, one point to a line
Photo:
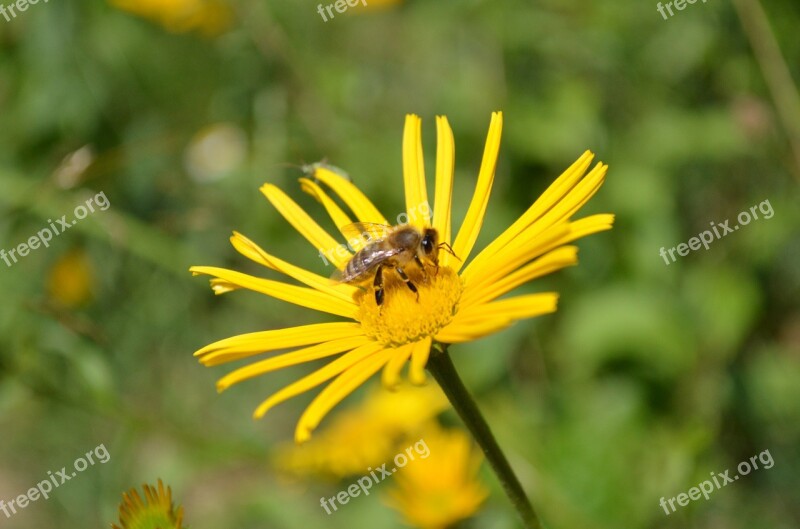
310	169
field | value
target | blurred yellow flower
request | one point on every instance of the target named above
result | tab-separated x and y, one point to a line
154	512
69	282
365	436
207	16
443	489
451	305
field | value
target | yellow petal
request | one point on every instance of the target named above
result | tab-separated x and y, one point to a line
337	390
417	204
245	345
220	286
468	233
339	217
300	356
580	195
531	244
351	195
546	264
472	328
563	199
512	257
391	371
552	195
589	225
488	318
302	296
304	224
254	252
419	359
577	230
353	358
515	308
445	163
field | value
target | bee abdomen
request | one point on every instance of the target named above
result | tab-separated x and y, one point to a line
357	266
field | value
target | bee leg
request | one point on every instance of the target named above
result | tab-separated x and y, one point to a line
377	285
421	267
407	281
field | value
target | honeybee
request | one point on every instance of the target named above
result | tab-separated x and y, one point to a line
391	247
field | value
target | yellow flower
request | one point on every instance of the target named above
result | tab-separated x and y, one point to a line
365	436
155	511
207	16
457	304
70	280
437	492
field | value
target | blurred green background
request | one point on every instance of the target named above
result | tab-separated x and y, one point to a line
648	378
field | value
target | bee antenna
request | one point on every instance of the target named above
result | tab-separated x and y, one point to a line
449	249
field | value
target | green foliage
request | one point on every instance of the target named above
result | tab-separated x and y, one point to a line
650	376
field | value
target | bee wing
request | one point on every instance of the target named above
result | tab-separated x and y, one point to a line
359	234
338	276
365	261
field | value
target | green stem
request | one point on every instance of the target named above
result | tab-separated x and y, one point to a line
773	66
441	367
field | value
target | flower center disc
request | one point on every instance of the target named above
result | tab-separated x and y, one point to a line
403	319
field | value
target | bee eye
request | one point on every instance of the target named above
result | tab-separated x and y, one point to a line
427	245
